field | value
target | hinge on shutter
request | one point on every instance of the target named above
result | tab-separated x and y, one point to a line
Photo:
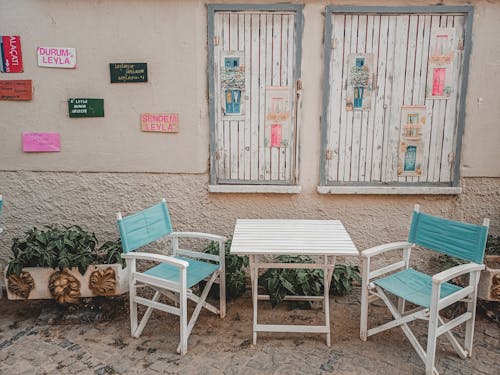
216	40
217	155
334	43
298	87
460	45
329	155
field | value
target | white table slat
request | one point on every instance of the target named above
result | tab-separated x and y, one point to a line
292	237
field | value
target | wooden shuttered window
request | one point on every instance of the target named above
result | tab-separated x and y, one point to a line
394	100
253	70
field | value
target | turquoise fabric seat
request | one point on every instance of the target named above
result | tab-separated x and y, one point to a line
196	271
414	286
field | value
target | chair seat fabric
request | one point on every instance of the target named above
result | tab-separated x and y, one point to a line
414	286
196	271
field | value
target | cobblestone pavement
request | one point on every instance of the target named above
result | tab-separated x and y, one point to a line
38	337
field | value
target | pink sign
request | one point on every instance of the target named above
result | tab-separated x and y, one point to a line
56	57
41	142
160	122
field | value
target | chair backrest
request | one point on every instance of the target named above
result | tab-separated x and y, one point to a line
462	240
144	227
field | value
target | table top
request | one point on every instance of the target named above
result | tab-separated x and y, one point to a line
291	237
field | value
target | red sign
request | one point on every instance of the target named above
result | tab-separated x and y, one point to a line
12	59
16	89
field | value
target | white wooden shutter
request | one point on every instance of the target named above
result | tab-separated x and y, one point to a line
364	145
265	44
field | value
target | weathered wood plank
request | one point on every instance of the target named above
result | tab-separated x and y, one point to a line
227	124
435	142
429	104
275	81
410	70
357	126
269	82
219	124
389	83
289	81
343	146
234	131
365	161
245	125
350	115
378	132
447	154
263	170
336	104
253	69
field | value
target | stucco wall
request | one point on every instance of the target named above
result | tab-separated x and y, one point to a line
92	199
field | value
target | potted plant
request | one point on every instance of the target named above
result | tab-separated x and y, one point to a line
64	263
489	282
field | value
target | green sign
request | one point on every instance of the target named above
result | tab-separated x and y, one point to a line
84	107
128	72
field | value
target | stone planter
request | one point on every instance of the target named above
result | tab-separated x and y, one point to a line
69	285
489	282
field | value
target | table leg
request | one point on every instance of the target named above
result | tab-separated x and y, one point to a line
254	277
327	279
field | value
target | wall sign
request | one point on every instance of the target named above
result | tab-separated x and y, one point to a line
85	107
128	72
16	89
160	122
56	57
41	142
10	51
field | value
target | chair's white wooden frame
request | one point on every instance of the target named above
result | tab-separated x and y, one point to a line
177	292
437	326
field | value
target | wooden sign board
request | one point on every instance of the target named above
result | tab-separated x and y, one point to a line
16	89
56	57
41	142
128	72
85	107
10	53
160	122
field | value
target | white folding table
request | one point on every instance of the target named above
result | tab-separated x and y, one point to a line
323	240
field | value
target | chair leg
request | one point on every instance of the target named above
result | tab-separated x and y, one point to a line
363	326
183	317
222	293
431	334
471	307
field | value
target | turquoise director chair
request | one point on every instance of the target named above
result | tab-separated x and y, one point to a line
174	275
429	293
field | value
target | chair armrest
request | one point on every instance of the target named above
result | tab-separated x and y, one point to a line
156	258
456	271
385	247
205	236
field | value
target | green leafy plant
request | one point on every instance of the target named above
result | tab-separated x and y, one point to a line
280	282
61	248
235	274
344	276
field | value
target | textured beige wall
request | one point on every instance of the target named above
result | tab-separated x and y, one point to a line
92	199
171	36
